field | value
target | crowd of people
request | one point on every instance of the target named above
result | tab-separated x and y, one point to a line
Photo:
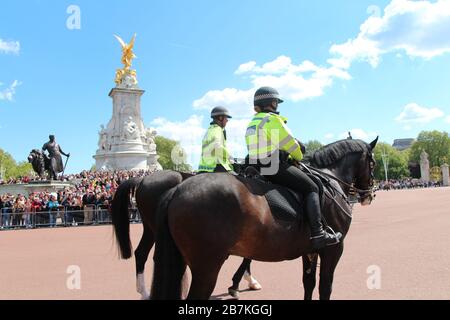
90	191
406	183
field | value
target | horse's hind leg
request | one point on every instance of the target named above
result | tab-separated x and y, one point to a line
141	256
204	279
309	274
253	284
329	259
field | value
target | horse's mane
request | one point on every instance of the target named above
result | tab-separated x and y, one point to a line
333	152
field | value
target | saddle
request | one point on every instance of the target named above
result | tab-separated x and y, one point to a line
285	203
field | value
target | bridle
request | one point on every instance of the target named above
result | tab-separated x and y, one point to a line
367	193
363	193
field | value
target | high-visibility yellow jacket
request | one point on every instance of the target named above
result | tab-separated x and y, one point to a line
267	133
214	150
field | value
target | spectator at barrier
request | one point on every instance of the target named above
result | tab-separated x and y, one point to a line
52	206
67	203
89	200
28	213
18	210
77	205
7	210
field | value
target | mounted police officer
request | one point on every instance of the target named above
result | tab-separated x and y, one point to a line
272	147
215	154
54	154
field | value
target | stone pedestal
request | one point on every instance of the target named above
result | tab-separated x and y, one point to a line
126	144
424	167
36	186
445	175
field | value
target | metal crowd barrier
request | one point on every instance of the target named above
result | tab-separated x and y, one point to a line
60	217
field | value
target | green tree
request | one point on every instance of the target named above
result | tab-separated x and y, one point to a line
166	148
397	162
435	143
10	169
312	146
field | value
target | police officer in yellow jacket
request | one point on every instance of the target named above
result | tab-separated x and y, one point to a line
215	154
270	144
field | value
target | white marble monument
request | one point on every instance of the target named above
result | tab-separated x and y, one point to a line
424	167
445	175
126	144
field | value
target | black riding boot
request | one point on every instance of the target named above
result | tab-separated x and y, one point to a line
319	237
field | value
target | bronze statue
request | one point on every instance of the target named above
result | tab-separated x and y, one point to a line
40	162
54	155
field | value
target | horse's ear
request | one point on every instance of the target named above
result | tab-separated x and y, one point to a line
374	143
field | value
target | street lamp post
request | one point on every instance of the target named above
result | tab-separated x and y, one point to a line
385	159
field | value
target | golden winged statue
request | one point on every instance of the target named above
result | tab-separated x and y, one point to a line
127	57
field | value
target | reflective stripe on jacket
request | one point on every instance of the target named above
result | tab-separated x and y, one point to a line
267	133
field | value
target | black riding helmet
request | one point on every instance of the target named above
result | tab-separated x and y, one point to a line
265	95
220	111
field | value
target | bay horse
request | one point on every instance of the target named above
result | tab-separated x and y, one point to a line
208	217
147	192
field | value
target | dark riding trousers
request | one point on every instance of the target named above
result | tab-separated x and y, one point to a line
293	178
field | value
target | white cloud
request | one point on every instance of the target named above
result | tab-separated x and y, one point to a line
9	46
359	134
447	119
419	28
294	82
238	102
329	136
413	113
280	65
8	93
416	28
191	131
188	133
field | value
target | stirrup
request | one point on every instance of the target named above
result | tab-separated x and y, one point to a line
336	236
332	232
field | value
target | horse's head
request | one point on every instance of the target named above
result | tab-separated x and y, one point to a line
364	175
352	164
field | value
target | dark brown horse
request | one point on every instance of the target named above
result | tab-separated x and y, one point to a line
206	218
147	192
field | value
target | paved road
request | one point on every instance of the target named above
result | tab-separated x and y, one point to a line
405	235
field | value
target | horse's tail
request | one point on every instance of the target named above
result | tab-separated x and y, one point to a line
169	264
120	215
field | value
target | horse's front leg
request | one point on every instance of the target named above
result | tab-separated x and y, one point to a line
309	274
329	258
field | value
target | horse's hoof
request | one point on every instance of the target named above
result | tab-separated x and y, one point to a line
254	286
233	292
145	297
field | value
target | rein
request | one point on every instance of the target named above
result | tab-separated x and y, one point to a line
350	186
327	192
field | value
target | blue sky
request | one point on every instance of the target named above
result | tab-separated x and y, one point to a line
373	67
